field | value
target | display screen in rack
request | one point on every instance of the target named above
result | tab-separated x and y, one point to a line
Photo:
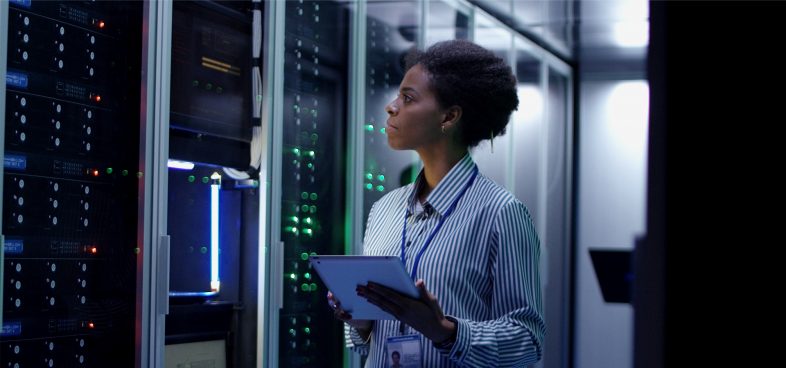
211	79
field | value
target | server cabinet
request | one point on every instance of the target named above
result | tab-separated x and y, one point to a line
73	185
392	29
212	190
313	167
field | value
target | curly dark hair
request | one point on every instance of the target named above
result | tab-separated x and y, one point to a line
467	75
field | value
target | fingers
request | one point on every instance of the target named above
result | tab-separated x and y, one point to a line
338	312
384	298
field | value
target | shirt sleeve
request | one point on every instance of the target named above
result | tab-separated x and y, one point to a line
515	336
353	340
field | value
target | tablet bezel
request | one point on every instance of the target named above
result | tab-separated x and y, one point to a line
343	273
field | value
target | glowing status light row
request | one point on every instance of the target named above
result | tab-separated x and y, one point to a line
370	186
370	128
293	276
294	230
370	176
306	153
306	195
293	332
109	171
192	178
296	220
306	208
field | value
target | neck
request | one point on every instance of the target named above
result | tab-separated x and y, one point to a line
436	164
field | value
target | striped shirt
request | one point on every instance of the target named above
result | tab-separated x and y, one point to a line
482	266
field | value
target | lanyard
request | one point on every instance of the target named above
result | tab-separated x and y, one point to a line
436	229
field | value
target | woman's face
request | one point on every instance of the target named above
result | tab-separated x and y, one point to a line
414	117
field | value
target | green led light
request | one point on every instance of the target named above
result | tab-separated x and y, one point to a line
307	276
314	136
313	287
296	151
308	232
304	208
294	219
307	330
205	179
203	250
304	195
381	177
369	176
369	186
380	188
195	83
313	253
310	165
292	331
124	173
313	196
109	170
293	276
291	229
308	220
191	178
382	130
304	256
312	209
311	153
369	128
304	287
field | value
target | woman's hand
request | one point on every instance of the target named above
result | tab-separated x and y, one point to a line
362	325
423	314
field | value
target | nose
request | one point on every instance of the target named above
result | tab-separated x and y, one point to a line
391	108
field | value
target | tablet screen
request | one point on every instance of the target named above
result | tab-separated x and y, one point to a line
343	273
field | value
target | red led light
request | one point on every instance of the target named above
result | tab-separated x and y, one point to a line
97	98
95	172
94	250
91	325
101	24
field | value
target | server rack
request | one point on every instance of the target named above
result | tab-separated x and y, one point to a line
74	185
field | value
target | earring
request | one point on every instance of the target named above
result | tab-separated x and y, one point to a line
491	138
443	129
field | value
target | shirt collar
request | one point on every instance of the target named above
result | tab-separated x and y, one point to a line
447	189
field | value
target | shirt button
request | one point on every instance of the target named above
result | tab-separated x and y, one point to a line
409	242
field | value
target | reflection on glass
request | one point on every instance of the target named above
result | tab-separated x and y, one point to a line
527	122
392	29
445	22
493	160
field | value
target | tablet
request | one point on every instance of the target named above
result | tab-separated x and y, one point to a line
343	273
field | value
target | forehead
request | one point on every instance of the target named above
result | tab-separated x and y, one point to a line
417	78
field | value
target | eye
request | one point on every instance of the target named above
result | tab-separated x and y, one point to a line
405	98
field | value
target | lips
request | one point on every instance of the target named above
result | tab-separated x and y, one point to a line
390	126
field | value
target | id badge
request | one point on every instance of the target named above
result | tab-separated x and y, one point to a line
403	352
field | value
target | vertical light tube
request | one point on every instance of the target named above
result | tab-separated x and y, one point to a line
215	185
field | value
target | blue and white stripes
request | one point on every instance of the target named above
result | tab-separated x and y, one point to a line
482	266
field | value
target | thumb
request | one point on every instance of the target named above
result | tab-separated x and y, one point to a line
421	285
424	294
427	297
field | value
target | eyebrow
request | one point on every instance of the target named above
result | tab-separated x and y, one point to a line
409	89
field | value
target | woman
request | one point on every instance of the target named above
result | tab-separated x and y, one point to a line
462	237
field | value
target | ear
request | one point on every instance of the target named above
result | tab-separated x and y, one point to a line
451	117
